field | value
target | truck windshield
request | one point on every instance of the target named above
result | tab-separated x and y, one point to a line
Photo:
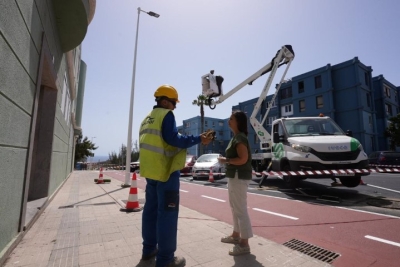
312	126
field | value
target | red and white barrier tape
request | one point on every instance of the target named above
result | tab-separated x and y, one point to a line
384	166
323	172
308	173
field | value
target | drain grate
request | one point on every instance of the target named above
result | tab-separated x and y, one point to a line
312	251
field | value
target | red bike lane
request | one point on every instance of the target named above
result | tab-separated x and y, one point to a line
358	237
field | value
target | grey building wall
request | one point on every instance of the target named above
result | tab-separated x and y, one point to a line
36	131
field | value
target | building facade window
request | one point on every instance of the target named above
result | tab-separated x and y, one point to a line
320	101
386	91
369	100
206	123
67	108
271	104
302	105
221	123
371	141
388	109
370	121
318	81
287	110
286	92
66	100
301	87
270	120
256	139
366	78
187	124
64	93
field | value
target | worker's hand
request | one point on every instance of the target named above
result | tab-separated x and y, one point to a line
204	139
222	160
207	136
210	134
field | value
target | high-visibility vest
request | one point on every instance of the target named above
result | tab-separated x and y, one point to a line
158	159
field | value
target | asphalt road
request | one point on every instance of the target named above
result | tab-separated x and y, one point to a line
350	222
380	192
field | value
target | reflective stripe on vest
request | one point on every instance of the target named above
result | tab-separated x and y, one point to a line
155	148
159	150
158	159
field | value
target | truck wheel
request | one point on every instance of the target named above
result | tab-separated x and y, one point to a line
290	181
350	181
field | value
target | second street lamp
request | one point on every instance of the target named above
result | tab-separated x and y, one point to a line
129	145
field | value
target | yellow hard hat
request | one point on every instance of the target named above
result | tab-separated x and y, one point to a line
167	91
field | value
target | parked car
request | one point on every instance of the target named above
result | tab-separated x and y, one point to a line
135	166
201	169
384	158
190	160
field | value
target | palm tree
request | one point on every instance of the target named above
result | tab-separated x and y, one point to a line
84	148
200	102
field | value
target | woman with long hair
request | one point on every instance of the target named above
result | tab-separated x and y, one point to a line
239	174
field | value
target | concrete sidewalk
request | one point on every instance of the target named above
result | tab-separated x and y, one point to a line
83	226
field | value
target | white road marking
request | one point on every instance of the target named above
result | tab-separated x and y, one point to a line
383	188
370	212
383	240
183	190
288	199
217	199
277	214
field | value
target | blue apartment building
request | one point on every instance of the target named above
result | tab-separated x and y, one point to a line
192	126
347	92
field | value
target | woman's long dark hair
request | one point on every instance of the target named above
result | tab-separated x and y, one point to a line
241	120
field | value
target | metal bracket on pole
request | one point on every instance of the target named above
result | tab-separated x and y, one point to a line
265	176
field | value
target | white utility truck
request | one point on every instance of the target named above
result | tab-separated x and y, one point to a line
314	144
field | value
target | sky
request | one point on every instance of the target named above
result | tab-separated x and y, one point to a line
234	37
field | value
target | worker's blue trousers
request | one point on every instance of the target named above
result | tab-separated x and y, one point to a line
160	218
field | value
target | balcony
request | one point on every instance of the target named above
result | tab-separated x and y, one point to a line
72	19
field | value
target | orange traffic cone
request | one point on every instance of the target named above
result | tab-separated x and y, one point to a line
100	180
211	176
132	204
362	182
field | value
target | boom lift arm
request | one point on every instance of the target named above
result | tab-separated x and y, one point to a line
285	55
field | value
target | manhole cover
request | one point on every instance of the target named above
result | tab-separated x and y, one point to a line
384	203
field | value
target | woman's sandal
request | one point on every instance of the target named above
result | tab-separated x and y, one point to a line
230	239
238	250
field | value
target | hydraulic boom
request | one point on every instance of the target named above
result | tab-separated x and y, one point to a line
212	88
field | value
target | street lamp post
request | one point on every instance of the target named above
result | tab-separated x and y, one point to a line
129	145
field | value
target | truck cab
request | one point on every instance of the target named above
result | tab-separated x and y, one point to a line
314	144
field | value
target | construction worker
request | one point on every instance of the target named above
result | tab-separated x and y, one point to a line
162	156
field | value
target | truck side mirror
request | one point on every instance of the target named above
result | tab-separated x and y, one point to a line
276	137
349	133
